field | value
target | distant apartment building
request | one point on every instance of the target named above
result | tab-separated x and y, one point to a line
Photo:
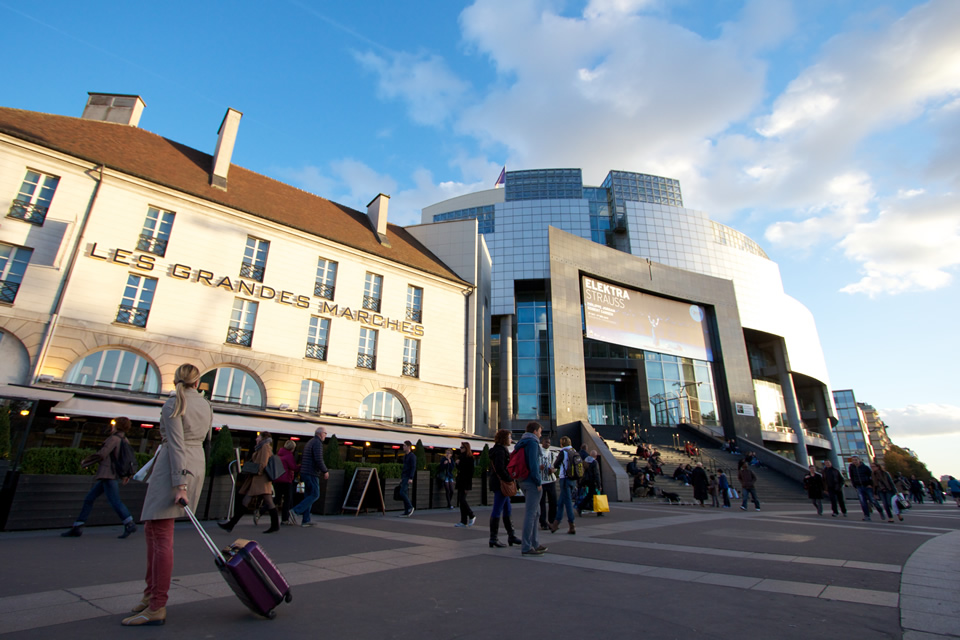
877	430
851	432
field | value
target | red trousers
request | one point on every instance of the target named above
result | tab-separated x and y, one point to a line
159	534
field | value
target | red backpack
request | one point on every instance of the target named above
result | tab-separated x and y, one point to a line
517	465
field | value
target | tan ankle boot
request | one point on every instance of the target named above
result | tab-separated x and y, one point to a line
572	530
140	606
554	526
147	617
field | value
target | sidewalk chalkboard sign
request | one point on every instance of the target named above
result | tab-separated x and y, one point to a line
364	492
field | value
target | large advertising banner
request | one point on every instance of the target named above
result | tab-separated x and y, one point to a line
633	319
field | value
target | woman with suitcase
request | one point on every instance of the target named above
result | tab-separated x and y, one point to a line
176	478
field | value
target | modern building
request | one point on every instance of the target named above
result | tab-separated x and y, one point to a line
877	429
851	429
124	254
617	306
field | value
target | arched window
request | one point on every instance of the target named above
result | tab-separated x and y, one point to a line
115	369
383	405
310	393
232	385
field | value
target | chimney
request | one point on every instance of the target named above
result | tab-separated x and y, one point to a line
227	137
114	107
377	212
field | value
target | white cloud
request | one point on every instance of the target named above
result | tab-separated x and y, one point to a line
921	420
424	81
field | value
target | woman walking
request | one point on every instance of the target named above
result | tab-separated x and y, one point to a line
813	483
177	475
445	473
106	481
465	483
499	456
257	485
283	485
886	491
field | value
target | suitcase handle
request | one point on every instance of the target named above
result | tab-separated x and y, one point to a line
211	545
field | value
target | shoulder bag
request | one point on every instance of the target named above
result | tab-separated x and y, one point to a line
143	475
275	468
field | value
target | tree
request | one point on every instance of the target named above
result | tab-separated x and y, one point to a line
897	460
421	455
483	462
331	453
221	448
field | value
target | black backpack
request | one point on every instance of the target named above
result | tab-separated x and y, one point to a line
124	459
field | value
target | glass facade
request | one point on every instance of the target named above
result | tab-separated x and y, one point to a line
770	406
533	358
115	369
544	184
851	429
680	390
483	215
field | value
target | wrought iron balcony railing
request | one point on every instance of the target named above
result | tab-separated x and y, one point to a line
242	337
411	369
8	291
323	290
366	361
156	246
23	210
251	271
371	303
415	315
316	351
128	314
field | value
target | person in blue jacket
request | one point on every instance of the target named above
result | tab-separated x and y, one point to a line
531	487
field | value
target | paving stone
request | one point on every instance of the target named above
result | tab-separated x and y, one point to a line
48	615
862	596
789	586
930	605
36	600
929	622
724	580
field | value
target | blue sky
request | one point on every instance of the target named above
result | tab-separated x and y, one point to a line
826	130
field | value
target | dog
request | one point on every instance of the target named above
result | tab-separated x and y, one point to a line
670	497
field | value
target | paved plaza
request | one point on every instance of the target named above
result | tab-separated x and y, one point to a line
645	569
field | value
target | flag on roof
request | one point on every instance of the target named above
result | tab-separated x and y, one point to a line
502	180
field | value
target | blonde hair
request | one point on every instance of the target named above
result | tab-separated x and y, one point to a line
565	442
186	377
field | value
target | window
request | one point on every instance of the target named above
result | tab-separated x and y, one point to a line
156	231
411	357
372	288
317	337
13	264
326	279
137	298
310	392
414	304
232	385
33	201
367	350
115	369
383	405
242	321
254	259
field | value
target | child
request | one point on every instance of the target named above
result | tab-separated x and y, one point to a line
712	490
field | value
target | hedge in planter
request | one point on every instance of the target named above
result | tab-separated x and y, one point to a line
63	461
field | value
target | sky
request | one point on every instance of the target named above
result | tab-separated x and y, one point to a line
826	130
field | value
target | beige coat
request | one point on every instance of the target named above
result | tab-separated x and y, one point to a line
181	460
259	485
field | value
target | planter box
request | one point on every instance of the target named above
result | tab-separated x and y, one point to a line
218	491
53	502
389	484
331	494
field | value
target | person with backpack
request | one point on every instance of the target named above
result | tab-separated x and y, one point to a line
570	465
525	467
110	472
498	477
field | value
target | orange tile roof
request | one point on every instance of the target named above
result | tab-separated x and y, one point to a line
154	158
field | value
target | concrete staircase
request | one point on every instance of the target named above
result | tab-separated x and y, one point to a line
771	486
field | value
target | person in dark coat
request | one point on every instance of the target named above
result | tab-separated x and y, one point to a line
834	483
257	485
862	478
406	478
499	457
700	482
813	483
465	483
106	481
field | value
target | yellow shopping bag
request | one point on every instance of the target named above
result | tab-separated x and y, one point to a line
600	504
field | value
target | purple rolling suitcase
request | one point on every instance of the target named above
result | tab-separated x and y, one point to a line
249	572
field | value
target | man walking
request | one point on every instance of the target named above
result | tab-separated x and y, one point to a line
312	467
529	444
548	477
748	480
862	479
406	478
834	482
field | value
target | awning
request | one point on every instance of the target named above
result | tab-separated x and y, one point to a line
96	407
33	393
109	409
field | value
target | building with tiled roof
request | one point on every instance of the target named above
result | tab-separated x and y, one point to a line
124	254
